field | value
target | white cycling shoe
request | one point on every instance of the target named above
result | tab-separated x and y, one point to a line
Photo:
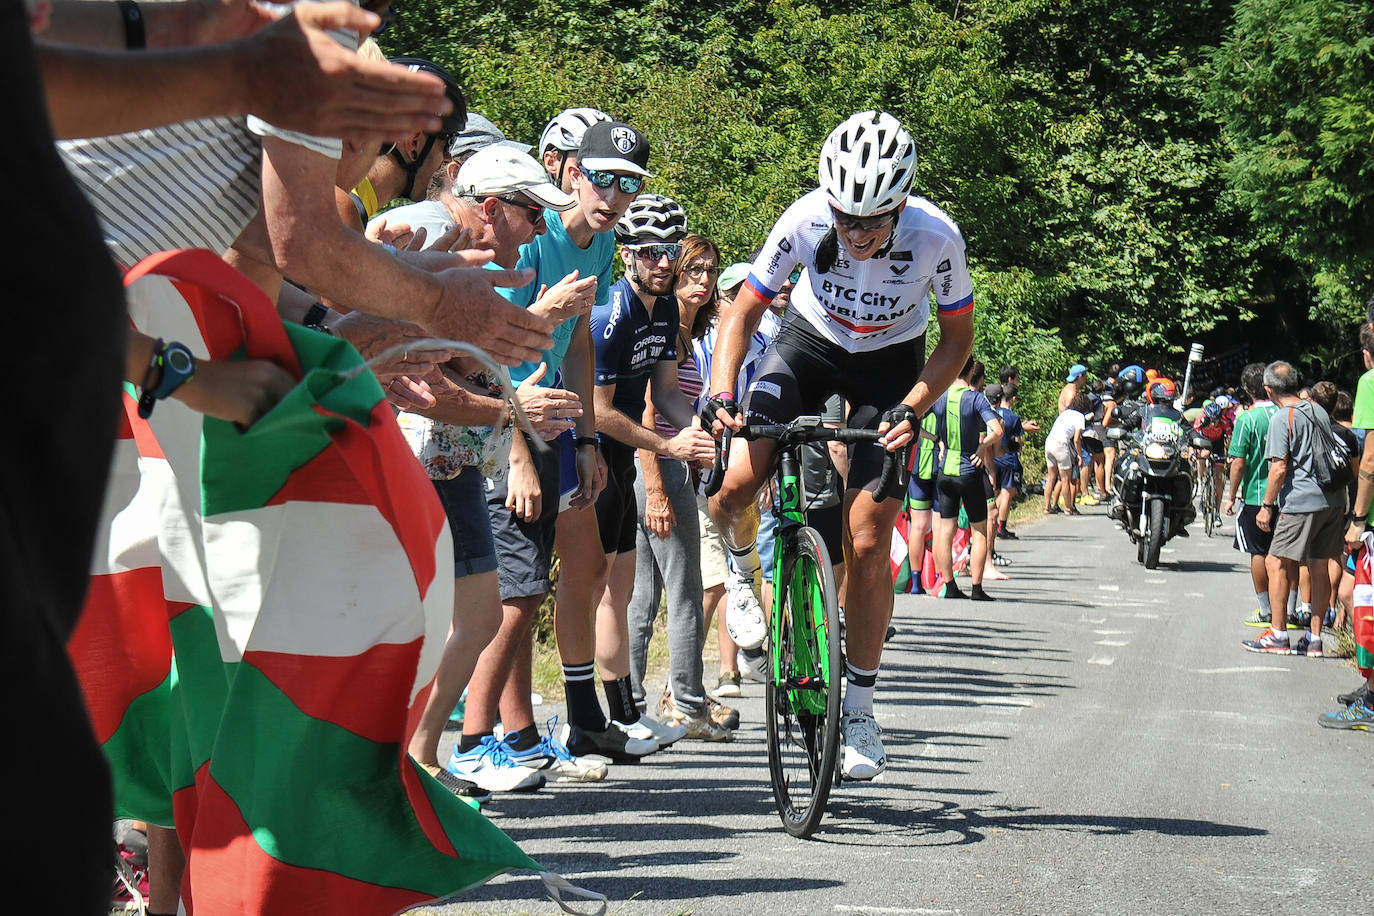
646	729
864	756
743	614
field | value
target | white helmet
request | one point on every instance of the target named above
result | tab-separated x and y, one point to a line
651	218
867	164
565	131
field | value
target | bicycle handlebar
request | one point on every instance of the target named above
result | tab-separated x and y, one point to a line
799	431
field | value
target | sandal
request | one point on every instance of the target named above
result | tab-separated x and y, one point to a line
999	560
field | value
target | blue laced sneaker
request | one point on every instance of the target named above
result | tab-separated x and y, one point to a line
553	755
1356	716
489	766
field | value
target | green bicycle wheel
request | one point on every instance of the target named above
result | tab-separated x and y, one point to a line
804	683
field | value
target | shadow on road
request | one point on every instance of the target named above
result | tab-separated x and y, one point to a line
949	824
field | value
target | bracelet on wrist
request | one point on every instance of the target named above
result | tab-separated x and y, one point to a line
314	318
584	441
1359	518
135	32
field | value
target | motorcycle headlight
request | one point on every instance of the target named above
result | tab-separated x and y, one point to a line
1159	451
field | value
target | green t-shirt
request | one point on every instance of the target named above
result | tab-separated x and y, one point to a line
1249	442
1364	402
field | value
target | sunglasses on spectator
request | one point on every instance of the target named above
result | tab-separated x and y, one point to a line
630	184
699	271
863	223
657	252
533	212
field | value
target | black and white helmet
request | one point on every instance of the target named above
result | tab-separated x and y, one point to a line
867	164
564	132
651	218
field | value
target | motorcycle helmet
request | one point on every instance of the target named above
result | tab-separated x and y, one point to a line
1161	391
1130	379
651	218
867	164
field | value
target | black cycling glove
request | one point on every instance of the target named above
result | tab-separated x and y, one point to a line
724	402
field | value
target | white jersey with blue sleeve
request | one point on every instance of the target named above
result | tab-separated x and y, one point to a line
871	304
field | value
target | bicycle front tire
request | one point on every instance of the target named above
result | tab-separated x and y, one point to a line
803	690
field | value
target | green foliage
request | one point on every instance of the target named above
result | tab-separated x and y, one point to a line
1294	90
1129	176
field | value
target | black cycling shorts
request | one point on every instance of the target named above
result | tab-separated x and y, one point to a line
972	490
617	508
802	369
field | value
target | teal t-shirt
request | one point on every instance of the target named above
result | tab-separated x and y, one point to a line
1249	442
553	256
1364	402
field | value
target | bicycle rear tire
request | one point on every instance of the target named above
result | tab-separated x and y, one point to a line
805	678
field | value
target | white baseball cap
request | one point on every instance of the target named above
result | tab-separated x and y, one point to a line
495	171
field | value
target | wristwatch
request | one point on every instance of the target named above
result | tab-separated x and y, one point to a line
171	366
314	318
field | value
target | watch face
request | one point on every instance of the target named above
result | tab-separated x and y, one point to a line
179	360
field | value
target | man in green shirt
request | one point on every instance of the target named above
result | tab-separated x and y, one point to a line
1249	472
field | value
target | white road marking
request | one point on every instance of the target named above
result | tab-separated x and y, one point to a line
1109	588
1103	660
889	910
981	700
1114	643
1092	620
1112	632
1194	595
1243	669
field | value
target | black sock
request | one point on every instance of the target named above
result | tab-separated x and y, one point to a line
620	704
752	653
467	742
579	687
524	739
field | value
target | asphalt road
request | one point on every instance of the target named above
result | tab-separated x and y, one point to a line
1096	741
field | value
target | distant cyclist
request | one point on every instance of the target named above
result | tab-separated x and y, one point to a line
871	254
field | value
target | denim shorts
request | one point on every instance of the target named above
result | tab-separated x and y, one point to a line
465	503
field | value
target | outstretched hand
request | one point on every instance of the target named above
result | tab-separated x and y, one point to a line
351	98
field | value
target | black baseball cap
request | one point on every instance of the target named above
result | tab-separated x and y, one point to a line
613	146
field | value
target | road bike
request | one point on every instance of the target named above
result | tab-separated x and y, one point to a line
1208	505
805	657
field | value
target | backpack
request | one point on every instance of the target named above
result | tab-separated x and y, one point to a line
1332	467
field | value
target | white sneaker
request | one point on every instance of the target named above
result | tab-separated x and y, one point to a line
488	766
753	669
647	729
864	757
743	613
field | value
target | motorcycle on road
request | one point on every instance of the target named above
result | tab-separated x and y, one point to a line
1153	484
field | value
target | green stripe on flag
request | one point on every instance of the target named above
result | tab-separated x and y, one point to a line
140	755
337	815
202	687
242	470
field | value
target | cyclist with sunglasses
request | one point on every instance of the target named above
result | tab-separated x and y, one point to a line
872	254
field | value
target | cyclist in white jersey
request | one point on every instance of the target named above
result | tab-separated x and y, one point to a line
872	256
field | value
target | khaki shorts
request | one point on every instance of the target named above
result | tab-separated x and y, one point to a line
713	551
1306	536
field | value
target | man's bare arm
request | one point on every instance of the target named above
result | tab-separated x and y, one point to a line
95	91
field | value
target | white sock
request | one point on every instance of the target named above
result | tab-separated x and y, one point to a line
1263	598
745	563
858	697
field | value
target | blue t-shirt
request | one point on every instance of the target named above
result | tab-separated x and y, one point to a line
1012	434
553	256
974	414
629	341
